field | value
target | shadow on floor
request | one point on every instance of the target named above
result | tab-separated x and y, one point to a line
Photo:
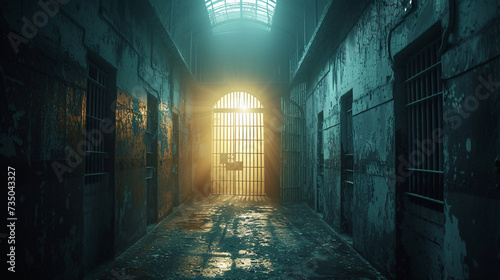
238	237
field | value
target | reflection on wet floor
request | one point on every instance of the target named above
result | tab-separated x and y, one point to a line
236	237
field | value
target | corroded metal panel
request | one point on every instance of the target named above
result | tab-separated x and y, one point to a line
130	211
165	164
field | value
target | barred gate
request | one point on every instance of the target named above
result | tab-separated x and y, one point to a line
238	145
292	153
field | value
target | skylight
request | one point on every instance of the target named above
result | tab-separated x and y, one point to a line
259	11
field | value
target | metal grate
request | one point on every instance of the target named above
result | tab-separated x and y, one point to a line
298	94
292	152
425	109
238	145
97	87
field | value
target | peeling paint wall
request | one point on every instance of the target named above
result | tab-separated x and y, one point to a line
44	93
130	195
400	238
359	64
472	127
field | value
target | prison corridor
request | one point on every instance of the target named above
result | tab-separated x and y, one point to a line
239	237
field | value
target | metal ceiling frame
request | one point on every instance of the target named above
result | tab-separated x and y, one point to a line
226	11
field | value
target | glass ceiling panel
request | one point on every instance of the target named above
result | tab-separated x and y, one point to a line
261	11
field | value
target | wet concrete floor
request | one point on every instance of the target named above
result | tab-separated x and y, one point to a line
237	237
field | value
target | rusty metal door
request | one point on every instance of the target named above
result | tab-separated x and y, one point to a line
292	152
238	145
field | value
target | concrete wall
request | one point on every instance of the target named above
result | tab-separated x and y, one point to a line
44	91
359	65
399	237
472	209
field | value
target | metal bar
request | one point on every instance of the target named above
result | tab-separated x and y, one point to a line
421	120
424	99
262	148
440	124
250	142
238	148
255	147
95	174
256	154
226	145
424	197
425	170
96	152
425	69
233	187
213	157
219	152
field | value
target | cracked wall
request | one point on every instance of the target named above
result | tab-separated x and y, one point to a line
43	134
401	238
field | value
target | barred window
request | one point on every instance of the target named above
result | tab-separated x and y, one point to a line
424	90
97	89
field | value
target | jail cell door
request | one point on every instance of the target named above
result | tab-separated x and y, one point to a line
98	192
152	159
347	163
238	145
292	166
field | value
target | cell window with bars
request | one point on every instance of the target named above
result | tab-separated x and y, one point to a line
424	91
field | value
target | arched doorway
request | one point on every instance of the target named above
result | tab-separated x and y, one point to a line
237	164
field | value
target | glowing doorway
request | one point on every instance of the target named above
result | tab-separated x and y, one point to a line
238	145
